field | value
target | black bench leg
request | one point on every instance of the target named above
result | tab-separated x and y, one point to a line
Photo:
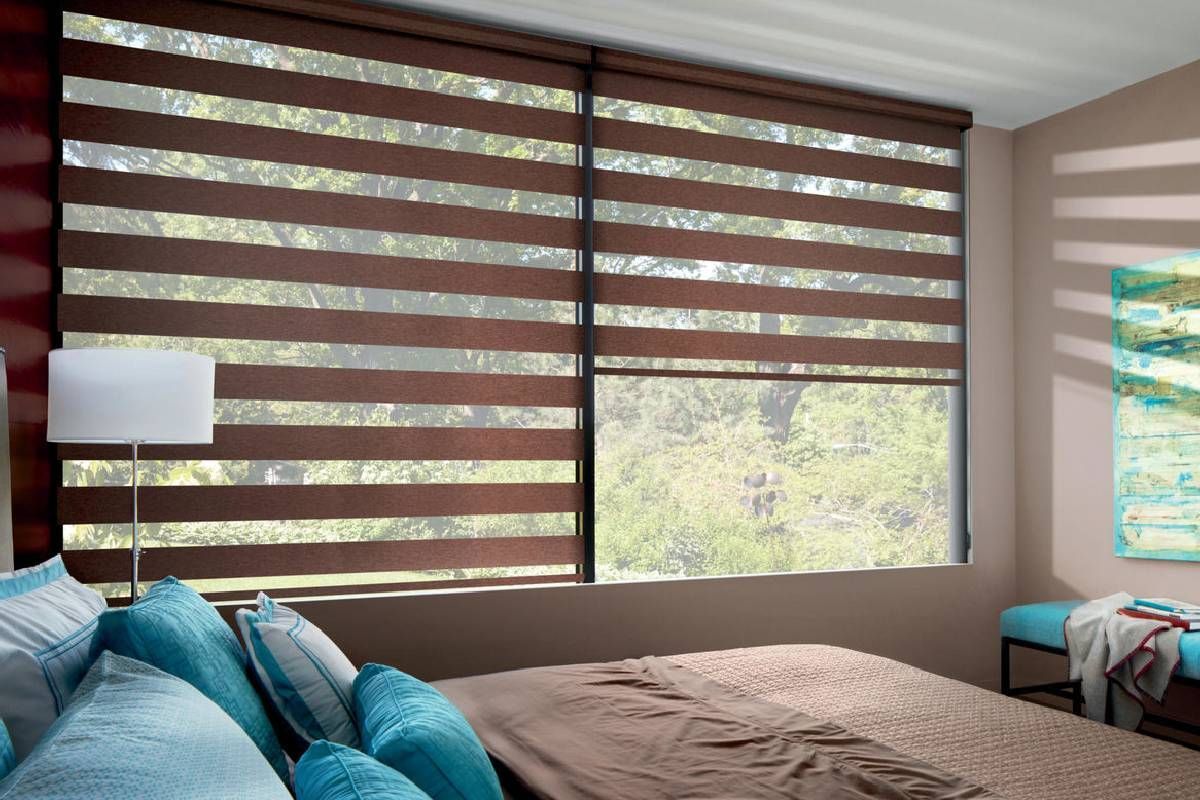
1077	698
1005	666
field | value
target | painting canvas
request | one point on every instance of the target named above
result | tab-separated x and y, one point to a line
1156	408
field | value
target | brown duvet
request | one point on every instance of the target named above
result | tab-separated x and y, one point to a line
799	721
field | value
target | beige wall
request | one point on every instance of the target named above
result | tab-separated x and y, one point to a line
940	618
1123	152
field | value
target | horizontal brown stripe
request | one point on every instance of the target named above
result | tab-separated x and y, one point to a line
358	42
747	82
324	558
283	594
793	377
723	197
165	255
638	290
641	137
734	102
319	384
82	314
666	343
304	207
356	443
664	242
111	504
213	137
109	62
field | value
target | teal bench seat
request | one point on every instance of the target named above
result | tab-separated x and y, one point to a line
1042	624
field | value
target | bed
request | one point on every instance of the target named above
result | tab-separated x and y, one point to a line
807	721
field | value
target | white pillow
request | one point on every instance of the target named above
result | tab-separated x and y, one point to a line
305	674
47	623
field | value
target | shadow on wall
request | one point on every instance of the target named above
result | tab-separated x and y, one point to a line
1112	208
1106	208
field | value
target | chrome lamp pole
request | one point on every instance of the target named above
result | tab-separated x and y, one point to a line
135	550
132	397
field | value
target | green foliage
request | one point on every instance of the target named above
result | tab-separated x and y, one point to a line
864	471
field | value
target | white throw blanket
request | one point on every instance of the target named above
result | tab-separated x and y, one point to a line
1139	655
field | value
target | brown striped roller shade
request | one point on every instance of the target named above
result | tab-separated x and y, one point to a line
377	222
375	233
800	217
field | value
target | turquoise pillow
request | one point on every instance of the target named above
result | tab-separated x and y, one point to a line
330	771
179	632
8	757
412	727
131	730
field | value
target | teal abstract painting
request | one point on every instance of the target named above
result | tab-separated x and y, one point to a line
1156	408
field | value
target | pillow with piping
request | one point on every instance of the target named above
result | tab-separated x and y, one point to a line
48	625
306	676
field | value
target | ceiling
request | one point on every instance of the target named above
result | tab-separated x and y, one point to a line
1011	62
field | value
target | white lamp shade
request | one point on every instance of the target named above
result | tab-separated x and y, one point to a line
104	395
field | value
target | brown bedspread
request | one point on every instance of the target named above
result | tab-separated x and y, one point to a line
645	729
1017	749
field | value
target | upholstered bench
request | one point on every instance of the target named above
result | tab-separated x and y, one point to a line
1039	626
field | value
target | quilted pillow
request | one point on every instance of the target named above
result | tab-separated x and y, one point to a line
134	731
412	727
47	626
176	630
329	771
302	671
8	758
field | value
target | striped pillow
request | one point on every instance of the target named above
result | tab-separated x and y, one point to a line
305	674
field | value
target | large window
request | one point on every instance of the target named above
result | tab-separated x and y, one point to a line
779	371
490	309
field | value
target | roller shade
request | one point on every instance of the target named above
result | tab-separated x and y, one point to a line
376	234
411	244
798	217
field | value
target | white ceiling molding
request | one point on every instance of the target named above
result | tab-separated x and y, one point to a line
1011	62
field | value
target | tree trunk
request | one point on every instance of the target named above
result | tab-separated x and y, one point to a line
777	400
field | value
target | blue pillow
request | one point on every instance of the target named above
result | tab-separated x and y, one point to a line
8	757
131	730
179	632
330	771
412	727
303	673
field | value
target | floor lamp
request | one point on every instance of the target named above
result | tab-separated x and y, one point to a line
130	397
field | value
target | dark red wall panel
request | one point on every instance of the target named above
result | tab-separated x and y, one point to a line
26	254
